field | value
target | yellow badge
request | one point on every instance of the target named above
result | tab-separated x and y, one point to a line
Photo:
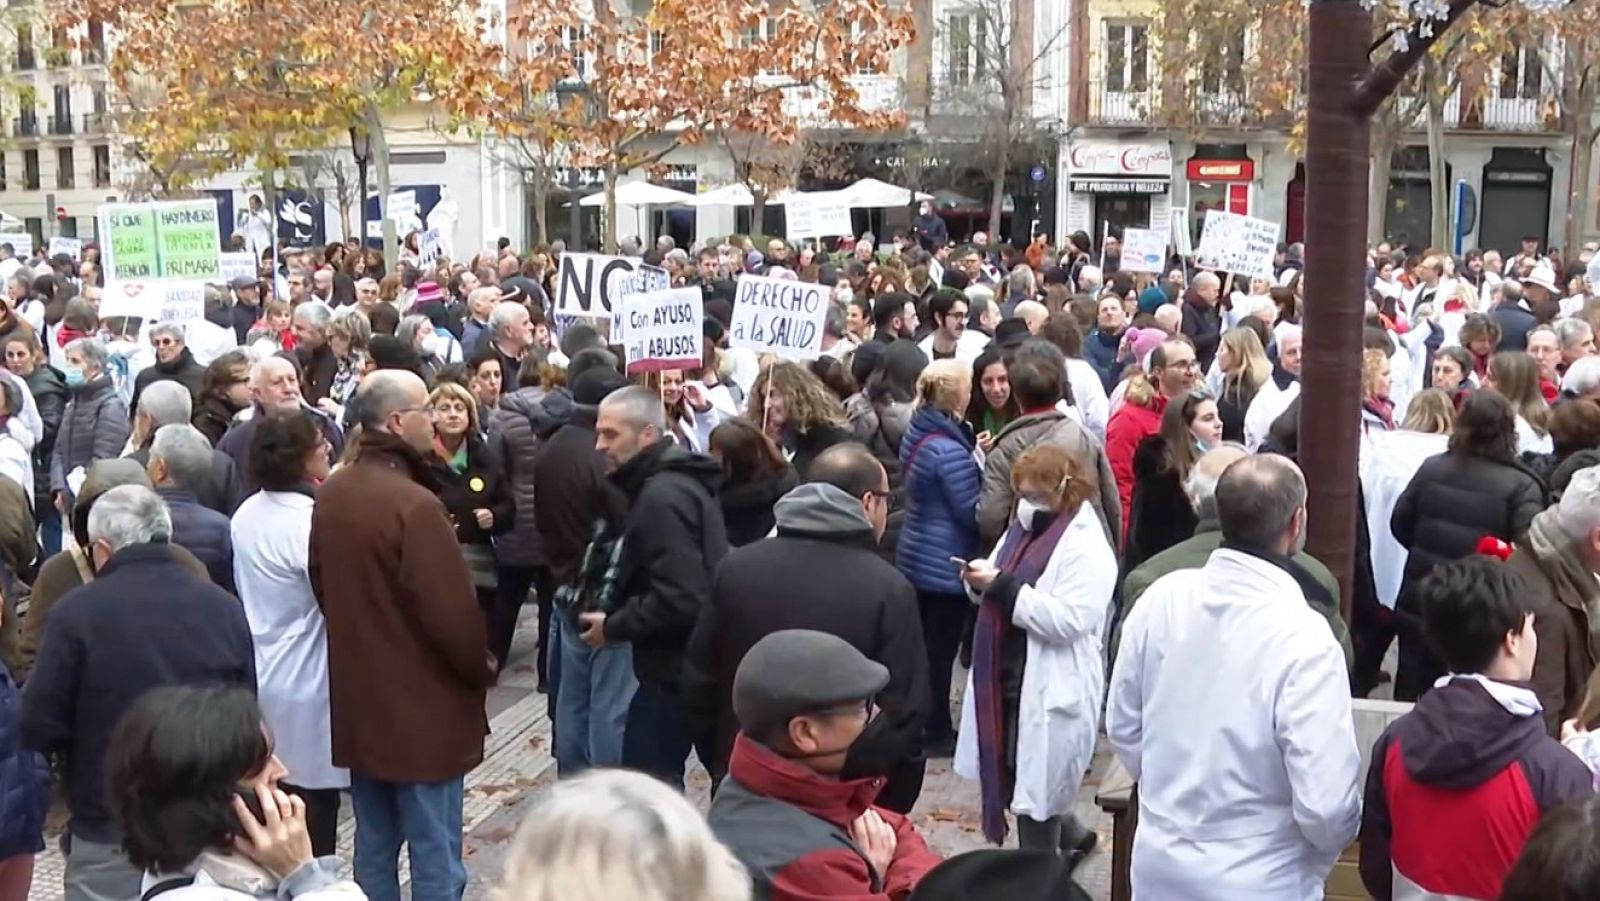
476	484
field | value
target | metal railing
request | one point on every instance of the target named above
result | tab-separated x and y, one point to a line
61	124
25	126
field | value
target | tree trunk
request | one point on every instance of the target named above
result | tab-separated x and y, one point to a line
1578	210
541	203
1441	234
608	228
758	211
380	174
997	181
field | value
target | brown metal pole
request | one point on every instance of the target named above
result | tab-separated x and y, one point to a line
1337	164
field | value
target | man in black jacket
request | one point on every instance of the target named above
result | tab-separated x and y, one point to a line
1202	321
174	362
820	572
144	622
672	540
180	465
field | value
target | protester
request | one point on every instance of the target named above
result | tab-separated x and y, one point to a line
405	645
943	486
1243	368
224	391
180	465
174	362
143	622
791	809
182	763
1029	725
820	571
349	336
1197	643
94	425
1457	784
274	389
1161	515
24	776
1456	498
797	411
755	476
24	359
664	573
313	352
614	834
1276	392
1515	376
271	533
1171	375
1558	861
992	406
950	338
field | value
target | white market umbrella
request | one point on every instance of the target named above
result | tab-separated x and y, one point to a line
739	195
872	193
640	193
9	222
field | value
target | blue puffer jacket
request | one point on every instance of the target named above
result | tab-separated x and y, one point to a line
942	486
24	778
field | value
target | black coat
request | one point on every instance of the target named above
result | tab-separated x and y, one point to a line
569	478
1515	321
318	368
823	576
203	532
482	485
747	507
213	416
1203	325
50	396
1161	515
672	540
185	370
514	437
808	444
1452	502
222	492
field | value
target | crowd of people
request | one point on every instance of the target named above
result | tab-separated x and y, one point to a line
264	564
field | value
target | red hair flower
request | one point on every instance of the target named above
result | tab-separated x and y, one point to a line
1490	546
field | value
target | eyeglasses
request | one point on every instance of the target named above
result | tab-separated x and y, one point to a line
1184	365
163	342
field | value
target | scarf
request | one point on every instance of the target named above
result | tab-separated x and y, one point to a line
1024	555
1554	552
456	461
1381	407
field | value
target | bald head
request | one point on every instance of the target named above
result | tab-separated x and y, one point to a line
1261	502
1169	318
386	392
1201	485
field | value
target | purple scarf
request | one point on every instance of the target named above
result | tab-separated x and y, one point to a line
1024	555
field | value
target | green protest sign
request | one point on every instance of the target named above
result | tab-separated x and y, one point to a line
132	230
168	241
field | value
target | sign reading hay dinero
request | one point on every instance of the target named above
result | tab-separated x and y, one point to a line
176	240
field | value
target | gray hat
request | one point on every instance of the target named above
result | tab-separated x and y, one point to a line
242	281
799	671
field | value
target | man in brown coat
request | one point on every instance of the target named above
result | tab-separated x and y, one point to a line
408	663
1559	558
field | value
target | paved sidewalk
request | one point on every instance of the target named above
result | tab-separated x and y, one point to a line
518	768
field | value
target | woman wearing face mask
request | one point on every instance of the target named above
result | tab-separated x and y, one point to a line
197	793
437	349
992	405
95	423
473	486
1160	515
1032	705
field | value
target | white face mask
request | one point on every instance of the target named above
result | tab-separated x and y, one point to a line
1026	511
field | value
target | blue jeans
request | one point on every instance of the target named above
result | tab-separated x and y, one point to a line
592	695
425	816
655	742
49	519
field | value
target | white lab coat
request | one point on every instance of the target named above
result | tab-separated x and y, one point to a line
1230	706
969	347
1063	679
1269	404
16	454
1089	395
271	541
1388	462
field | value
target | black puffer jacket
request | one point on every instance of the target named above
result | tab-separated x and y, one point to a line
574	493
1453	501
515	428
672	540
203	532
49	392
1161	515
185	370
747	507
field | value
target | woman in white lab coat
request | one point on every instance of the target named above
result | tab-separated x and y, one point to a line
1033	696
271	539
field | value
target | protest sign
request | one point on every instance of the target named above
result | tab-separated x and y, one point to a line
813	216
1179	223
779	316
592	285
1242	245
642	281
162	241
1143	250
428	253
72	247
21	243
663	329
237	263
153	301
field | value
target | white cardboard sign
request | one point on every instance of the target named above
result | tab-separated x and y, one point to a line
72	247
663	329
1242	245
1143	250
236	263
809	217
166	301
780	316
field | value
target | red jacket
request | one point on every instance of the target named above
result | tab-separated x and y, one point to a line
1129	426
790	827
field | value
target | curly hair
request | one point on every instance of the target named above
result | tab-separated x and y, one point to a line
278	450
810	403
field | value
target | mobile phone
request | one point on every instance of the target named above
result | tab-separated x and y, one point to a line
959	562
252	801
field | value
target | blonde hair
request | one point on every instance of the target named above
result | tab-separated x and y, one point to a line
1250	364
941	385
810	403
1430	411
614	835
457	392
1373	362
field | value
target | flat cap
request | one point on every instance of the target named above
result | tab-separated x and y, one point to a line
800	671
242	281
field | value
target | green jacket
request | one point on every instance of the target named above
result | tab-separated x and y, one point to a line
1193	553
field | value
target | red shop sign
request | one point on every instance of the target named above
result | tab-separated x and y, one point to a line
1221	170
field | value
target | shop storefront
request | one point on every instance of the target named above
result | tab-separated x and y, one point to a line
1218	184
1117	184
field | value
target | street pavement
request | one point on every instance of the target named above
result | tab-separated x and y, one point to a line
518	769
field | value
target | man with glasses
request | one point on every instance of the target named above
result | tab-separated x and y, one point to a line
1172	373
797	807
274	389
820	569
950	339
383	317
174	363
406	645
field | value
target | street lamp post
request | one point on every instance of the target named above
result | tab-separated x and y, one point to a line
361	149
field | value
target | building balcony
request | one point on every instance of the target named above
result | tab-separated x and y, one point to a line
25	127
96	123
60	125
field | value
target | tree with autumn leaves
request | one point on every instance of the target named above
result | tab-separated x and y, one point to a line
629	88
